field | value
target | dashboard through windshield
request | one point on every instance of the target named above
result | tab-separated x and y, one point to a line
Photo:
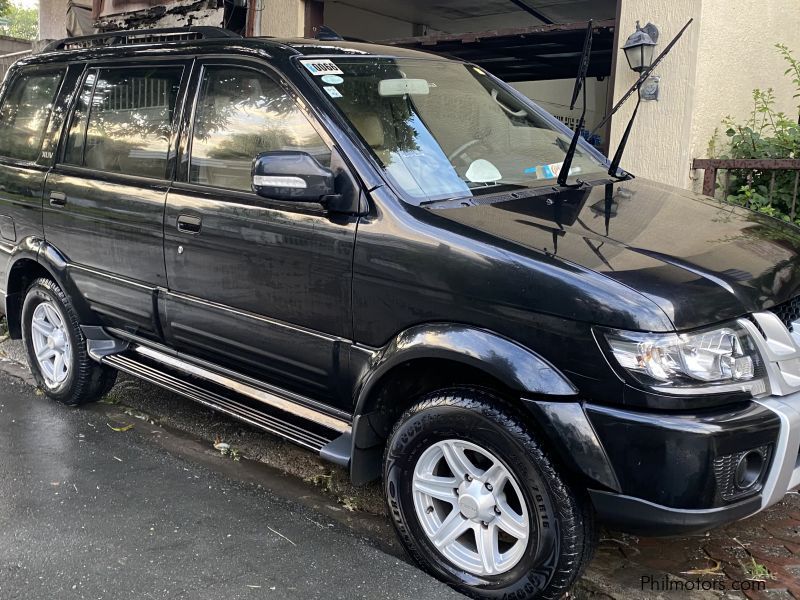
443	129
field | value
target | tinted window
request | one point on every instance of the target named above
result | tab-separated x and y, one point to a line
241	113
130	120
77	132
25	112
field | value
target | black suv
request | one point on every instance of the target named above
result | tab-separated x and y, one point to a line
365	250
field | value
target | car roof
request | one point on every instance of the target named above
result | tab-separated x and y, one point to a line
311	47
277	48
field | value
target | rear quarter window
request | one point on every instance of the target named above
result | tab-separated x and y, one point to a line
25	113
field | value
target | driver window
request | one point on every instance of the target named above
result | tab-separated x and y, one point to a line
241	113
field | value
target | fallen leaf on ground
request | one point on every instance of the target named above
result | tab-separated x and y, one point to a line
121	428
715	570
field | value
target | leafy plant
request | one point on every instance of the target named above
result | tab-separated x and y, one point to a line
765	134
23	23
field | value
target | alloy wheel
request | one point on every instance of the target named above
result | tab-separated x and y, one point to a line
51	343
471	507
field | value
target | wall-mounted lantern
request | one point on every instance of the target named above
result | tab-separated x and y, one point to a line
640	46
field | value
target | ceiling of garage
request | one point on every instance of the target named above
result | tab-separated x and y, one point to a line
532	53
455	16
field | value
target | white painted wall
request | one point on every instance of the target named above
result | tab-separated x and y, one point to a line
736	54
658	147
711	73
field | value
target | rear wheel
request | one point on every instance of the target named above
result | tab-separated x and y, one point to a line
56	347
478	504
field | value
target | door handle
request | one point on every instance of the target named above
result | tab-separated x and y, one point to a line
189	224
58	199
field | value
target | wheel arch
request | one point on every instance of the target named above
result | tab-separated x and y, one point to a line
425	357
31	259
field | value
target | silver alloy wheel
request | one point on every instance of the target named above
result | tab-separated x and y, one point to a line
51	343
471	507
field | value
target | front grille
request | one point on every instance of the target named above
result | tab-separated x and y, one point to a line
788	312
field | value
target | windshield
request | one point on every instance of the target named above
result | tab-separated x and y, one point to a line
444	129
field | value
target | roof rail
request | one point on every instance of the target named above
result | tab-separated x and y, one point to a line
140	36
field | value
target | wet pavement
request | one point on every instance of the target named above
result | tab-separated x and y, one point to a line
170	478
90	508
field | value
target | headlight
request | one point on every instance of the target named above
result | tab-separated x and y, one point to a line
722	359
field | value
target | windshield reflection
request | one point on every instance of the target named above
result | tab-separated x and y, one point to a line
444	129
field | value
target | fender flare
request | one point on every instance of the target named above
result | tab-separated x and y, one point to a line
506	360
55	263
515	365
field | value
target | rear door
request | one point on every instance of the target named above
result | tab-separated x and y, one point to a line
26	115
260	286
104	199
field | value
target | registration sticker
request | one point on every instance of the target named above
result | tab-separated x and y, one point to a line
321	66
332	91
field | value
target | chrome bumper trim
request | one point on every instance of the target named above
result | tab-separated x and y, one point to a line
784	473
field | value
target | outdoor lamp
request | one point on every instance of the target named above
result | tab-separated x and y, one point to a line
639	47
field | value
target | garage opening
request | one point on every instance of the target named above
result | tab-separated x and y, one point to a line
533	44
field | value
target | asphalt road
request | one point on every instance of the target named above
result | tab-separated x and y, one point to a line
89	512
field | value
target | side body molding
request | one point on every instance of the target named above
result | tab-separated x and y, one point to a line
516	366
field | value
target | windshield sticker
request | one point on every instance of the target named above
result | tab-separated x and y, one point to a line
321	66
332	79
332	91
550	171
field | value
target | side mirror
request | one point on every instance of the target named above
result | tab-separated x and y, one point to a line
292	176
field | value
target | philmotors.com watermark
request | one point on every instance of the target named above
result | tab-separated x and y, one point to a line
663	583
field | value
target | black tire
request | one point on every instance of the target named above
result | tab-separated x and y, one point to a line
565	522
86	380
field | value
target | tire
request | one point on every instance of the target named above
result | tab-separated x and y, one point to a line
448	426
77	379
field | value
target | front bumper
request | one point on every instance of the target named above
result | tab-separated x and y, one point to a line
704	509
655	473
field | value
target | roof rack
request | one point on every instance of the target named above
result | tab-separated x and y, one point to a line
140	36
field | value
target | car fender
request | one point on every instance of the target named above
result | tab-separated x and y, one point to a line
515	365
55	263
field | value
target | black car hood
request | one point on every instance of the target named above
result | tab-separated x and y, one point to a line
700	260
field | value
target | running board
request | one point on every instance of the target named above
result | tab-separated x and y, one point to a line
297	423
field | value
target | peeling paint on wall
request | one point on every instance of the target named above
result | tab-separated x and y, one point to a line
186	13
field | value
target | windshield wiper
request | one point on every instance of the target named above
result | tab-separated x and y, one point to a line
636	87
580	83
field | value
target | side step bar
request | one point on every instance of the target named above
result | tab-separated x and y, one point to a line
317	431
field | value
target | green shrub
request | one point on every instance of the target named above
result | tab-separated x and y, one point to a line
765	134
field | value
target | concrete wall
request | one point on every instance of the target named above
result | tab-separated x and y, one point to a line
281	18
52	19
726	52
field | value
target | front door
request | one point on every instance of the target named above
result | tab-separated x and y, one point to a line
259	286
104	199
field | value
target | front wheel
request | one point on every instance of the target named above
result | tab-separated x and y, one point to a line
56	347
478	504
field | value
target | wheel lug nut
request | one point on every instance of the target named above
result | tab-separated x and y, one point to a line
489	486
484	524
496	510
468	477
